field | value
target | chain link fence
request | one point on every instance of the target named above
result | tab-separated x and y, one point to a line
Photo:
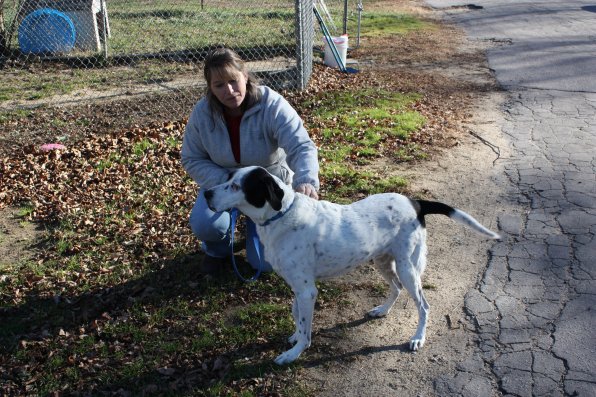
126	52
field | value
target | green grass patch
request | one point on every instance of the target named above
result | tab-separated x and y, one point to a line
374	25
7	93
55	81
344	184
411	152
139	148
12	115
25	211
405	123
357	127
364	118
259	320
329	292
183	27
331	104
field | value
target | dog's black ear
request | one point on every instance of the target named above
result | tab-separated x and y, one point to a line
274	193
259	187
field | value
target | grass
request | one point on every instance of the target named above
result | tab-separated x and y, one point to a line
180	27
357	126
25	210
6	117
344	183
62	80
376	24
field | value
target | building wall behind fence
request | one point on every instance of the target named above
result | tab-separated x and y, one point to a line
126	52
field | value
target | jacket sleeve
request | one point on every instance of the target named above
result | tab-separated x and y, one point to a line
292	137
195	159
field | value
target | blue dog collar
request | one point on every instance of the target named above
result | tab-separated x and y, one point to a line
278	215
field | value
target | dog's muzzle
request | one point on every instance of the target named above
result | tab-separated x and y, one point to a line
208	198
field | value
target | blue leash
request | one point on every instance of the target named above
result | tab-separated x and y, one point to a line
255	240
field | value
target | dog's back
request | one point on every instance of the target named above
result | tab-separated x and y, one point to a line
336	238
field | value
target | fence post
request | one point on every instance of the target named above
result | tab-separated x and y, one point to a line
345	26
304	41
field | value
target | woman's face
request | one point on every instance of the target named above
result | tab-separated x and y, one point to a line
229	87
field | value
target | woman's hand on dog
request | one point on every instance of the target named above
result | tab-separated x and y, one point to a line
307	189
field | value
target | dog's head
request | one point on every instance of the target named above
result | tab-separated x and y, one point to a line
252	190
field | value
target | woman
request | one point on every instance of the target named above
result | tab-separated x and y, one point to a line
239	123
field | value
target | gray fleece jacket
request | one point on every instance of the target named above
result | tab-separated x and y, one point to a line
271	136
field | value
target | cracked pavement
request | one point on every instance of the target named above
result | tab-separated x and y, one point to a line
534	307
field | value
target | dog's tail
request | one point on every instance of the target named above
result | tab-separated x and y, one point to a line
424	208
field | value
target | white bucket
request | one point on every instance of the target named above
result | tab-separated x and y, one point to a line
341	43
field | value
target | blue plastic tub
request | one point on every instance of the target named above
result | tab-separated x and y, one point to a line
46	31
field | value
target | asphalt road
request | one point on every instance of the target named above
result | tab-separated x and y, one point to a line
535	306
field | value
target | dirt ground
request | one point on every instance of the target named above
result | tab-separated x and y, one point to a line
352	356
18	237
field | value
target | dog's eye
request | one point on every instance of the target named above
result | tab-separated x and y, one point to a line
235	187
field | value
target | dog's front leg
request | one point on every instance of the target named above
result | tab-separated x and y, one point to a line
304	305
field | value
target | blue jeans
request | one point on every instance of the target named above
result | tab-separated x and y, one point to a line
213	229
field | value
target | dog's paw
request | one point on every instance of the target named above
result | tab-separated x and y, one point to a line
286	358
416	344
379	311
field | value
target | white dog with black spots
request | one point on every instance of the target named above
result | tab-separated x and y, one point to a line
307	240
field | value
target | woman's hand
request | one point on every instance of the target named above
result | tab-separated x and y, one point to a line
307	189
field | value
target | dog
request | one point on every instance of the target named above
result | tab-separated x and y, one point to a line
306	240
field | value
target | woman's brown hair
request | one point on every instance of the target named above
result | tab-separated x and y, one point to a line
224	60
